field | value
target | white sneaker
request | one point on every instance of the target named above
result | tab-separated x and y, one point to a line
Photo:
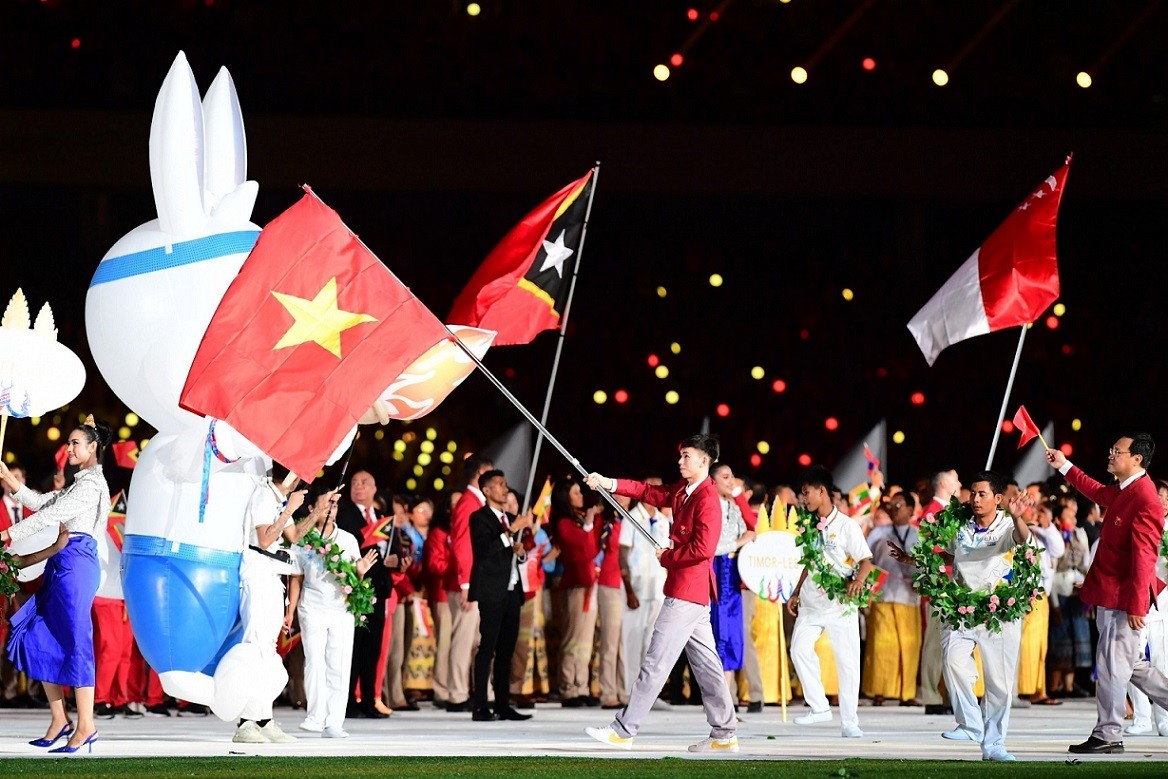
851	731
273	734
309	726
334	733
607	735
958	734
998	756
712	744
812	717
249	733
1143	728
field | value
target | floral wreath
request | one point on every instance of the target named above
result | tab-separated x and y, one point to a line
359	597
1164	544
8	570
810	541
956	604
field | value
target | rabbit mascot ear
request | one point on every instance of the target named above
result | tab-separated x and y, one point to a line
147	309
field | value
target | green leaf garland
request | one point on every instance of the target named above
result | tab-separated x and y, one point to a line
8	570
359	597
954	603
810	542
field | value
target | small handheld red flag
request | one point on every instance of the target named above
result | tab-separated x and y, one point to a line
1026	427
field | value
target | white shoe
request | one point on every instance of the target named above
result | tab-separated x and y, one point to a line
607	735
660	705
958	734
273	734
1140	729
812	717
334	733
851	731
249	733
309	726
998	756
712	744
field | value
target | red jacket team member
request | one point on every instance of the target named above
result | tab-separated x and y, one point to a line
684	621
1121	582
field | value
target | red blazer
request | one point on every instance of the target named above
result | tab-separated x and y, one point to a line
436	563
458	576
578	550
610	575
1123	574
697	523
749	515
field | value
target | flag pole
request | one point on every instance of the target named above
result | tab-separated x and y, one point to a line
547	401
1006	399
546	434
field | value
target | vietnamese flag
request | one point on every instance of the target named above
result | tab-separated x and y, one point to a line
522	286
309	334
1027	430
1009	280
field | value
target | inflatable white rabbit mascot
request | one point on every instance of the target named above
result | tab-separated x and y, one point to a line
146	311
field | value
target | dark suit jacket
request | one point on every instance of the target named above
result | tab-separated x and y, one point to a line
350	518
493	560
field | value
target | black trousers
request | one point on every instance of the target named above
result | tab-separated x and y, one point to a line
366	652
498	632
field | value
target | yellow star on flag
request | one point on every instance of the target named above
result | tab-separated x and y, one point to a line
319	319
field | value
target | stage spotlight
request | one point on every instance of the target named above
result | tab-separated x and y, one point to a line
672	397
798	75
676	60
661	72
473	9
940	77
868	64
1083	79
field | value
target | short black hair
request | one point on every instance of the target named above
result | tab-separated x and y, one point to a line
817	476
471	466
486	476
1143	445
714	469
996	481
703	443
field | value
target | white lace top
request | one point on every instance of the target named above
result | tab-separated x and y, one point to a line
83	506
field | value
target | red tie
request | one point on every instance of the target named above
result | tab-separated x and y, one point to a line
506	524
369	515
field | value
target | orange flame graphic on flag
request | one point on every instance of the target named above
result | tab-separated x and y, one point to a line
430	378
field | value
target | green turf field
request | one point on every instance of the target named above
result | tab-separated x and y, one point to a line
554	767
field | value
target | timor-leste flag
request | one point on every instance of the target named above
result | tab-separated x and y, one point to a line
307	336
116	524
520	289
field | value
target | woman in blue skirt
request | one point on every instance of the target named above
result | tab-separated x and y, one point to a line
726	612
51	637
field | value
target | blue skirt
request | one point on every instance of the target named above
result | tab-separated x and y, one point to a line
726	614
51	637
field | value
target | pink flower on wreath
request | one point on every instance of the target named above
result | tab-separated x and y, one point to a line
3	567
373	599
363	618
994	599
336	558
347	589
932	520
1030	555
822	524
993	607
944	569
1010	602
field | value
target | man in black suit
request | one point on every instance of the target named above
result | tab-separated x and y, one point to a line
496	586
358	516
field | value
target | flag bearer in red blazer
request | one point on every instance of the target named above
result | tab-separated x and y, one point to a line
1121	583
684	621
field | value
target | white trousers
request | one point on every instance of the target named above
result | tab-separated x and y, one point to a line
636	630
1155	637
680	625
261	610
327	638
986	725
843	630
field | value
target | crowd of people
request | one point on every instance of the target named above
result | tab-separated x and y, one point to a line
482	609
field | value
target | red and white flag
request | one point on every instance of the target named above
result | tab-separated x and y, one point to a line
1009	280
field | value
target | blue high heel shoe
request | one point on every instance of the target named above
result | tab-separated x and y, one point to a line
68	750
66	729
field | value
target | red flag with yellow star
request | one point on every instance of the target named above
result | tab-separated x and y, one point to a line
116	524
309	334
521	288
